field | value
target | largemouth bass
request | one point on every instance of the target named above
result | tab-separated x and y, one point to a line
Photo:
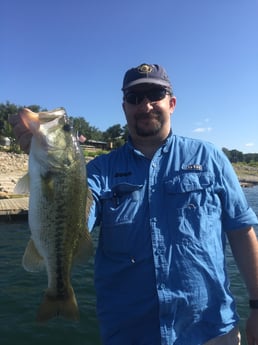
57	209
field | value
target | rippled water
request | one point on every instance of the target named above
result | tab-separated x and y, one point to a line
21	292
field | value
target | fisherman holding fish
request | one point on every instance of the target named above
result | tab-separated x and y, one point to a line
166	205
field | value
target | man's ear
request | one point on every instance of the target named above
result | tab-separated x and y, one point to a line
172	103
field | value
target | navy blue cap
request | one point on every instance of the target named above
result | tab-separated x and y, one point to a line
146	74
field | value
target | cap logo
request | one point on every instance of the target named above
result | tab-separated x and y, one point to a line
144	68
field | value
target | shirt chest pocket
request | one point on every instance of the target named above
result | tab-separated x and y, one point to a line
119	208
194	207
188	182
189	187
119	205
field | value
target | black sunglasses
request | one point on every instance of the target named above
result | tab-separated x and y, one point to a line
153	95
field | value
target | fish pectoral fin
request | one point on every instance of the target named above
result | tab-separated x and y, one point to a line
32	261
85	248
22	186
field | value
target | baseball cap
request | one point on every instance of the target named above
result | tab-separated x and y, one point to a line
146	74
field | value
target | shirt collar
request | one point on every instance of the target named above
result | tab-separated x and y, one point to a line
166	145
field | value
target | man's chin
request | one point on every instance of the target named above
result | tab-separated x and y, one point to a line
147	132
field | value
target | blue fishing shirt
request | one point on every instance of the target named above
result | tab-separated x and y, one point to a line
160	271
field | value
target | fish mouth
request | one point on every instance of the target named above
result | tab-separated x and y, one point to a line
32	120
47	116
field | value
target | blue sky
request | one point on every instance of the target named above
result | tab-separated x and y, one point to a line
74	53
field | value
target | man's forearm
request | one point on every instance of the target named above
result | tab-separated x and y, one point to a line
244	247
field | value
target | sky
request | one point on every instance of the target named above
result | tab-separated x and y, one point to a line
74	53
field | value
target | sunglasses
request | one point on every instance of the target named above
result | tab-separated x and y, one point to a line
153	95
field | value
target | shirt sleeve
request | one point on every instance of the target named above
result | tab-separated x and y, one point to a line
236	212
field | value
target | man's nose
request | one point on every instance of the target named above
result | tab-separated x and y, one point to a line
145	104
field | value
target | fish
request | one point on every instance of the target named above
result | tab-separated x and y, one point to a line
59	203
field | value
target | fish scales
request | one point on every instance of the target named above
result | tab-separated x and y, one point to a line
62	216
57	209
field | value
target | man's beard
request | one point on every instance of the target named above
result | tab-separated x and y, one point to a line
152	129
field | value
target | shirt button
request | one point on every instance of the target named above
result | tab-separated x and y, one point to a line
133	260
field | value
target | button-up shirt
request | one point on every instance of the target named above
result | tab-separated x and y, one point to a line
160	254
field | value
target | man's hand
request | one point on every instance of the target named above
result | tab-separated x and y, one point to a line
21	132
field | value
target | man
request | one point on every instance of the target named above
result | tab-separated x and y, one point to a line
165	205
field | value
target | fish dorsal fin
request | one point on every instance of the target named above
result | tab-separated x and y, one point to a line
32	261
22	186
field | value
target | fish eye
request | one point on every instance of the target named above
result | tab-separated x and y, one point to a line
67	127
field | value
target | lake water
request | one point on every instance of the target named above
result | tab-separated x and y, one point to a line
21	292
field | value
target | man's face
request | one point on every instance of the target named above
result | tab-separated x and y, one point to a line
151	115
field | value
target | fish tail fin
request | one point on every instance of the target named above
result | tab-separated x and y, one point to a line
56	306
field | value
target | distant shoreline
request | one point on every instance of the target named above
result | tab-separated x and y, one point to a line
13	166
247	175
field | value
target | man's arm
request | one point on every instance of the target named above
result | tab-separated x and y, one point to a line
244	247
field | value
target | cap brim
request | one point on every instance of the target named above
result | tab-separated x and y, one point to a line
147	81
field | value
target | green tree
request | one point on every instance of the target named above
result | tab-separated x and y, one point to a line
227	152
236	156
83	127
125	132
113	132
114	135
5	111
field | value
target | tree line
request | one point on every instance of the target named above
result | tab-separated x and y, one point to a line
116	134
236	156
